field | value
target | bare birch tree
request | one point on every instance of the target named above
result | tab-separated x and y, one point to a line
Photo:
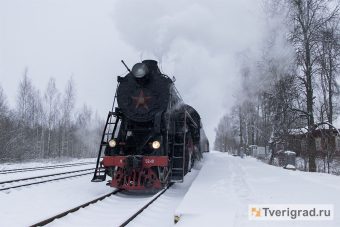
52	105
308	18
3	103
68	104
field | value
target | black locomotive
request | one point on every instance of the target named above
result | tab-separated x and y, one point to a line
152	137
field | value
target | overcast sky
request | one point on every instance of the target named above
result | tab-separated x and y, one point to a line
196	41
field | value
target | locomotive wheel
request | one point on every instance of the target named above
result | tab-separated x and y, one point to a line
189	155
192	162
187	163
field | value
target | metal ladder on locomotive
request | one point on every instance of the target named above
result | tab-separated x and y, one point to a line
108	133
178	149
181	159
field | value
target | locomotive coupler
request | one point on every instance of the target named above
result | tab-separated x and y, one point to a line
134	162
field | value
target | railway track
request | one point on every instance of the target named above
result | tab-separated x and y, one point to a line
8	171
49	220
123	223
75	173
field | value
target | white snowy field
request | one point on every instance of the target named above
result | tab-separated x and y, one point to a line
226	186
29	205
217	195
41	172
116	209
8	166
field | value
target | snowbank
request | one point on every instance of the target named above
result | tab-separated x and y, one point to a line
226	186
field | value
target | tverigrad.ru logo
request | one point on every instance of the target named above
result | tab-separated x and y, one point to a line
291	212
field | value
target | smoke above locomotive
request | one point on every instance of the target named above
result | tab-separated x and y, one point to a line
151	138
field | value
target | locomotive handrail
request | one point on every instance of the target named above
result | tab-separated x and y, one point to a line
100	149
191	119
114	99
177	92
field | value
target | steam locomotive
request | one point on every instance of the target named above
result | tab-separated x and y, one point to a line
151	138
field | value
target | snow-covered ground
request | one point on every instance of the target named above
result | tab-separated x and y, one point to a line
226	186
29	205
216	195
116	209
160	213
41	172
42	163
26	206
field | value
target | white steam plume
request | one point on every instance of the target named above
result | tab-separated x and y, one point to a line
196	41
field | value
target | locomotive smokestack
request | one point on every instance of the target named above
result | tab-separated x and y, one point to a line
152	66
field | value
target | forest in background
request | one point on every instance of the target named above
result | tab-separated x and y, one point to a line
292	83
47	125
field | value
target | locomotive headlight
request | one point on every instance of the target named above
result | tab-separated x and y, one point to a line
156	144
139	70
112	143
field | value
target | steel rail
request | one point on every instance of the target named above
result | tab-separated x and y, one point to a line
44	167
49	220
45	181
146	206
43	176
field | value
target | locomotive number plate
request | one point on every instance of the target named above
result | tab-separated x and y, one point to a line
149	161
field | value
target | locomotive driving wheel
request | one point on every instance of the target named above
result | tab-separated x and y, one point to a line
189	157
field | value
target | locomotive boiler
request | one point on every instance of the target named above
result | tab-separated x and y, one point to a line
151	137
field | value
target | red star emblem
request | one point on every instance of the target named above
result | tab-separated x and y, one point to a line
141	100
